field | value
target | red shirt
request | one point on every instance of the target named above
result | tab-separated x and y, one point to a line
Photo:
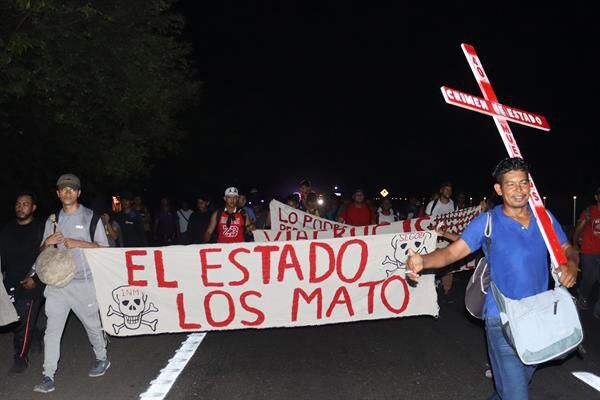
591	231
234	233
358	216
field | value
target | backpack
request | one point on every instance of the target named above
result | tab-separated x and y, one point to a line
479	282
93	223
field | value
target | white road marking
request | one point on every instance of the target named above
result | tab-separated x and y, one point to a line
160	386
589	378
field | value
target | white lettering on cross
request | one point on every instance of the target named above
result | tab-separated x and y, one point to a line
501	115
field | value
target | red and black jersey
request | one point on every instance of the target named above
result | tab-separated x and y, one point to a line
231	226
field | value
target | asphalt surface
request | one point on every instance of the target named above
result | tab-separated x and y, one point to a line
404	358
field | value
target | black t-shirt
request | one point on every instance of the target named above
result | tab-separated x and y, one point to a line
132	229
19	248
197	226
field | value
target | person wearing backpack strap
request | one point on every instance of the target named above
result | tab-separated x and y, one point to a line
183	216
74	230
93	221
519	268
587	232
443	203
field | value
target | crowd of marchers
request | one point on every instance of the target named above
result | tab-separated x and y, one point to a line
43	309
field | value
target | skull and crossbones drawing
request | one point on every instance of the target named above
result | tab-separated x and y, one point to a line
132	307
401	252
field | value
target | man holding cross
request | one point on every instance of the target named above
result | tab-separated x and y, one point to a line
518	267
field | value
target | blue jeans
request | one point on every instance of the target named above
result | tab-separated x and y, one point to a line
590	275
511	376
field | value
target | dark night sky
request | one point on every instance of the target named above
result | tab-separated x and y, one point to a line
288	87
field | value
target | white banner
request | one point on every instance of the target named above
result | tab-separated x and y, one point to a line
250	285
8	314
409	225
284	217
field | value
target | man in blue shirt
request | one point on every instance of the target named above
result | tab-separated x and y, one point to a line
519	267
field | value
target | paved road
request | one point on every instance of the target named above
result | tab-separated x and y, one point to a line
405	358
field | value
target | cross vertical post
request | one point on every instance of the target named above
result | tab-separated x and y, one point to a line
501	115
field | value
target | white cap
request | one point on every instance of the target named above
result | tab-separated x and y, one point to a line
231	191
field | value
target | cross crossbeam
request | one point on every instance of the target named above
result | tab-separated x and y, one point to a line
474	103
501	115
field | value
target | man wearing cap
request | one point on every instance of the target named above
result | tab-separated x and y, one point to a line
70	229
358	212
231	222
587	235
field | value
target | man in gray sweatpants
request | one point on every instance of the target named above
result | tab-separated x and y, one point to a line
72	232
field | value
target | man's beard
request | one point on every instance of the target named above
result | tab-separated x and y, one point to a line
23	217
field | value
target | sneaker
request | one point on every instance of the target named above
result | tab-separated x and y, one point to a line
46	386
19	366
99	369
582	303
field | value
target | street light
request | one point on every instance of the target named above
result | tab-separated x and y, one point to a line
574	209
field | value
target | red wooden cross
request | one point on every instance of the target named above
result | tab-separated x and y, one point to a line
489	105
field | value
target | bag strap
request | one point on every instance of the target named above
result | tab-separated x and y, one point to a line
93	224
487	233
54	224
433	206
182	215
